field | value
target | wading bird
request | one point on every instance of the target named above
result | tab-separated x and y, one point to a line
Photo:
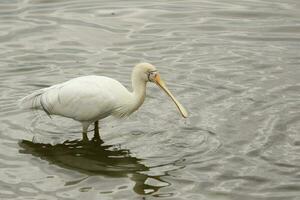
88	99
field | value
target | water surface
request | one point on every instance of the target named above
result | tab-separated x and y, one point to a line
233	64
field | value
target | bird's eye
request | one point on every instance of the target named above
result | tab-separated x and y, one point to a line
151	75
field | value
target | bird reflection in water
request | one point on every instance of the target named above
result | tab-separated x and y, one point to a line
95	158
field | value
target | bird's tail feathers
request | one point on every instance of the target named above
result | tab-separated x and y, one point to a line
31	101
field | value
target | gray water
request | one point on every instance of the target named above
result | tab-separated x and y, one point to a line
233	64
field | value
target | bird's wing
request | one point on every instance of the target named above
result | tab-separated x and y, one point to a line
83	99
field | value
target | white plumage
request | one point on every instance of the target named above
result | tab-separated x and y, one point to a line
88	99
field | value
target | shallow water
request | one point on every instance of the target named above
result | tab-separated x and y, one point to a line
233	64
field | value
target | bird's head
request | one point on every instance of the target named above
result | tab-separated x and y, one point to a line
149	73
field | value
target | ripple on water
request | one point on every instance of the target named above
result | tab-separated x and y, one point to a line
234	65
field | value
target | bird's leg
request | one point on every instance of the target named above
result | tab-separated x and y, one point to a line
84	132
85	137
96	131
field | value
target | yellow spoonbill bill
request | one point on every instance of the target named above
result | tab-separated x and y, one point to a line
88	99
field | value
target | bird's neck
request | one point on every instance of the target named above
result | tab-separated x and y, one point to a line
138	91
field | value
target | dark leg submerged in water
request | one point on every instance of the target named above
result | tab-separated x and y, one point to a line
96	131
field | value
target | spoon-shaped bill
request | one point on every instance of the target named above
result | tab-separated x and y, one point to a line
163	86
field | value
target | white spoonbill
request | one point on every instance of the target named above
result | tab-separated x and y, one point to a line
88	99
